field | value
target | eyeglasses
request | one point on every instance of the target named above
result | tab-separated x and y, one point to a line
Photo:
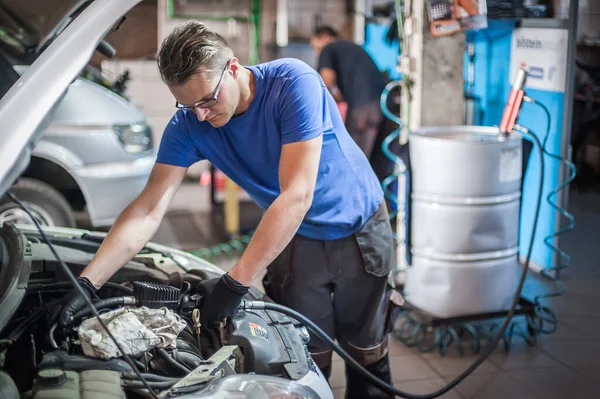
208	102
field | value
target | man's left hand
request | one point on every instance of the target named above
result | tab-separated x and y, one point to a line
222	296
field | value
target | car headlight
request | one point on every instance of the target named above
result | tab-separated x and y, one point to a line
135	138
251	386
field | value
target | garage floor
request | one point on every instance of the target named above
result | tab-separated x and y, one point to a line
565	364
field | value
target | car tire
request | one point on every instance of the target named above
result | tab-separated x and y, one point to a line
44	201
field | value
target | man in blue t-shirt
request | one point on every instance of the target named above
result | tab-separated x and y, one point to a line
274	129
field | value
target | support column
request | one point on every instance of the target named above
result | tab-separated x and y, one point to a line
435	66
432	94
359	21
232	208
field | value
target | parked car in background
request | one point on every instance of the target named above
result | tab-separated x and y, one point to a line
96	154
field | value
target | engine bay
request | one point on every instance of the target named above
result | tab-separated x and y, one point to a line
45	361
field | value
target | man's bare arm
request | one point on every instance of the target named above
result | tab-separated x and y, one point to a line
298	169
330	79
136	225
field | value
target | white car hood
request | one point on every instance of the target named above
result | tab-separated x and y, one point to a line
26	108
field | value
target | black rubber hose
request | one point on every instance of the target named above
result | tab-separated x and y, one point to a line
68	284
105	304
81	290
172	362
489	349
122	288
29	321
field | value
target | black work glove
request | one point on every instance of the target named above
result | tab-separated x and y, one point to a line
222	296
74	301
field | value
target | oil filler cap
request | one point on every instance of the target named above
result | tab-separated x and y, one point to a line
51	377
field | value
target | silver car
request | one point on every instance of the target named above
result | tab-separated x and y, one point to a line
255	354
95	156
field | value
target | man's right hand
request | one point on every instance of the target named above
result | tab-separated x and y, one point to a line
74	301
136	225
131	231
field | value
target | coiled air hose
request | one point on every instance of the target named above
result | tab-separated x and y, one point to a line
564	260
399	165
247	305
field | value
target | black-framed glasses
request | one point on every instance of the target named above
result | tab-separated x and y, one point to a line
208	102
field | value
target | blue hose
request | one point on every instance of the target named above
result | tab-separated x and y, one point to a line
564	260
399	165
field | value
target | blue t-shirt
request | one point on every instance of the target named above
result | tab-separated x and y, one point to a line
291	104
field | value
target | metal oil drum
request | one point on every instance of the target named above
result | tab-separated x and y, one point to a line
465	202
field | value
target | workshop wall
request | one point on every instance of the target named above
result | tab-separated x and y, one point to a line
148	23
150	94
43	15
589	20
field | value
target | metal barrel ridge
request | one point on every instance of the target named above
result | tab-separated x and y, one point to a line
466	195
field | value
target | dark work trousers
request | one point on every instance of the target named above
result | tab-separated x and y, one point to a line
342	286
363	122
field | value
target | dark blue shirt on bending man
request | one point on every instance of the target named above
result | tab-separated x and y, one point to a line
352	76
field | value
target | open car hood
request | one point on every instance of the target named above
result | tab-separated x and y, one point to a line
27	107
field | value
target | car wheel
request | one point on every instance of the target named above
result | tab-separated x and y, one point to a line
46	204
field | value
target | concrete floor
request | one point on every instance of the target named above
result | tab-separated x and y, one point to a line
565	364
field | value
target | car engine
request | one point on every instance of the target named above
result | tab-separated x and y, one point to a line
45	362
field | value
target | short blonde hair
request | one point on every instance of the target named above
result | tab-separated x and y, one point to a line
191	48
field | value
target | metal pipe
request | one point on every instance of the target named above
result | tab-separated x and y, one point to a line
359	21
51	336
563	173
282	23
